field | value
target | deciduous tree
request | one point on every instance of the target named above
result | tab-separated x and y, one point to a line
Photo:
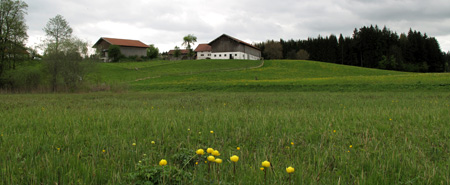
13	33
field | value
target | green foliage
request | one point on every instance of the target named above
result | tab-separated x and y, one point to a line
152	174
152	52
184	158
365	48
27	77
389	63
273	50
189	40
13	34
177	52
302	55
114	53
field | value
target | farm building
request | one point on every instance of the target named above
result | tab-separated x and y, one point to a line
203	51
183	54
227	47
127	47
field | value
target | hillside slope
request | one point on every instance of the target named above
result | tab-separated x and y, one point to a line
274	75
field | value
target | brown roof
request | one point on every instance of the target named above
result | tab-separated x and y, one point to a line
183	51
203	47
237	40
123	42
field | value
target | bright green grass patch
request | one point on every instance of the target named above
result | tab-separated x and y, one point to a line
132	71
299	76
396	138
284	75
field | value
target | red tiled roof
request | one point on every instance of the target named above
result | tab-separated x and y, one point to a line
203	47
183	51
123	42
235	39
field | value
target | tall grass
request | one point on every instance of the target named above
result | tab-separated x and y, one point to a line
396	138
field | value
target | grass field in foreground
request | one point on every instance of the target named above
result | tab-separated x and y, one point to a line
379	138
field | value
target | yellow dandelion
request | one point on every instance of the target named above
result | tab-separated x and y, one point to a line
351	146
59	149
134	144
103	151
292	143
238	148
196	163
390	119
348	151
189	129
153	142
212	132
140	161
334	131
262	168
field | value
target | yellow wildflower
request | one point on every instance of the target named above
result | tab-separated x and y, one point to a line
215	153
266	164
200	152
290	169
212	132
218	161
134	144
238	148
234	158
209	150
211	158
163	162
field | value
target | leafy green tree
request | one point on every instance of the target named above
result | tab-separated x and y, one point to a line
114	53
57	31
177	52
13	33
63	54
189	40
152	52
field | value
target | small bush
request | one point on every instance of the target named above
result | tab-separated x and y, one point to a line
146	174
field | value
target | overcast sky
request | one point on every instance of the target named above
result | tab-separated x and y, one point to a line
165	22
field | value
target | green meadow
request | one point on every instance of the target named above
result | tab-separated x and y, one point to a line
334	124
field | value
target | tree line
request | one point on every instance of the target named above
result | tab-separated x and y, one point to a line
62	66
368	47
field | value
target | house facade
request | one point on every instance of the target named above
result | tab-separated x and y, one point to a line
203	51
127	47
227	47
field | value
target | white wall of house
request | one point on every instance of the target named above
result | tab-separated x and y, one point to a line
203	55
234	55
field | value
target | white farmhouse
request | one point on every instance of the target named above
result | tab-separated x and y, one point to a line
203	51
227	47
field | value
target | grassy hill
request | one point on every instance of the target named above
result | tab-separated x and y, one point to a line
273	75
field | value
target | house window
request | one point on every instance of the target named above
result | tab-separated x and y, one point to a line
235	55
225	55
215	55
202	55
220	55
209	54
